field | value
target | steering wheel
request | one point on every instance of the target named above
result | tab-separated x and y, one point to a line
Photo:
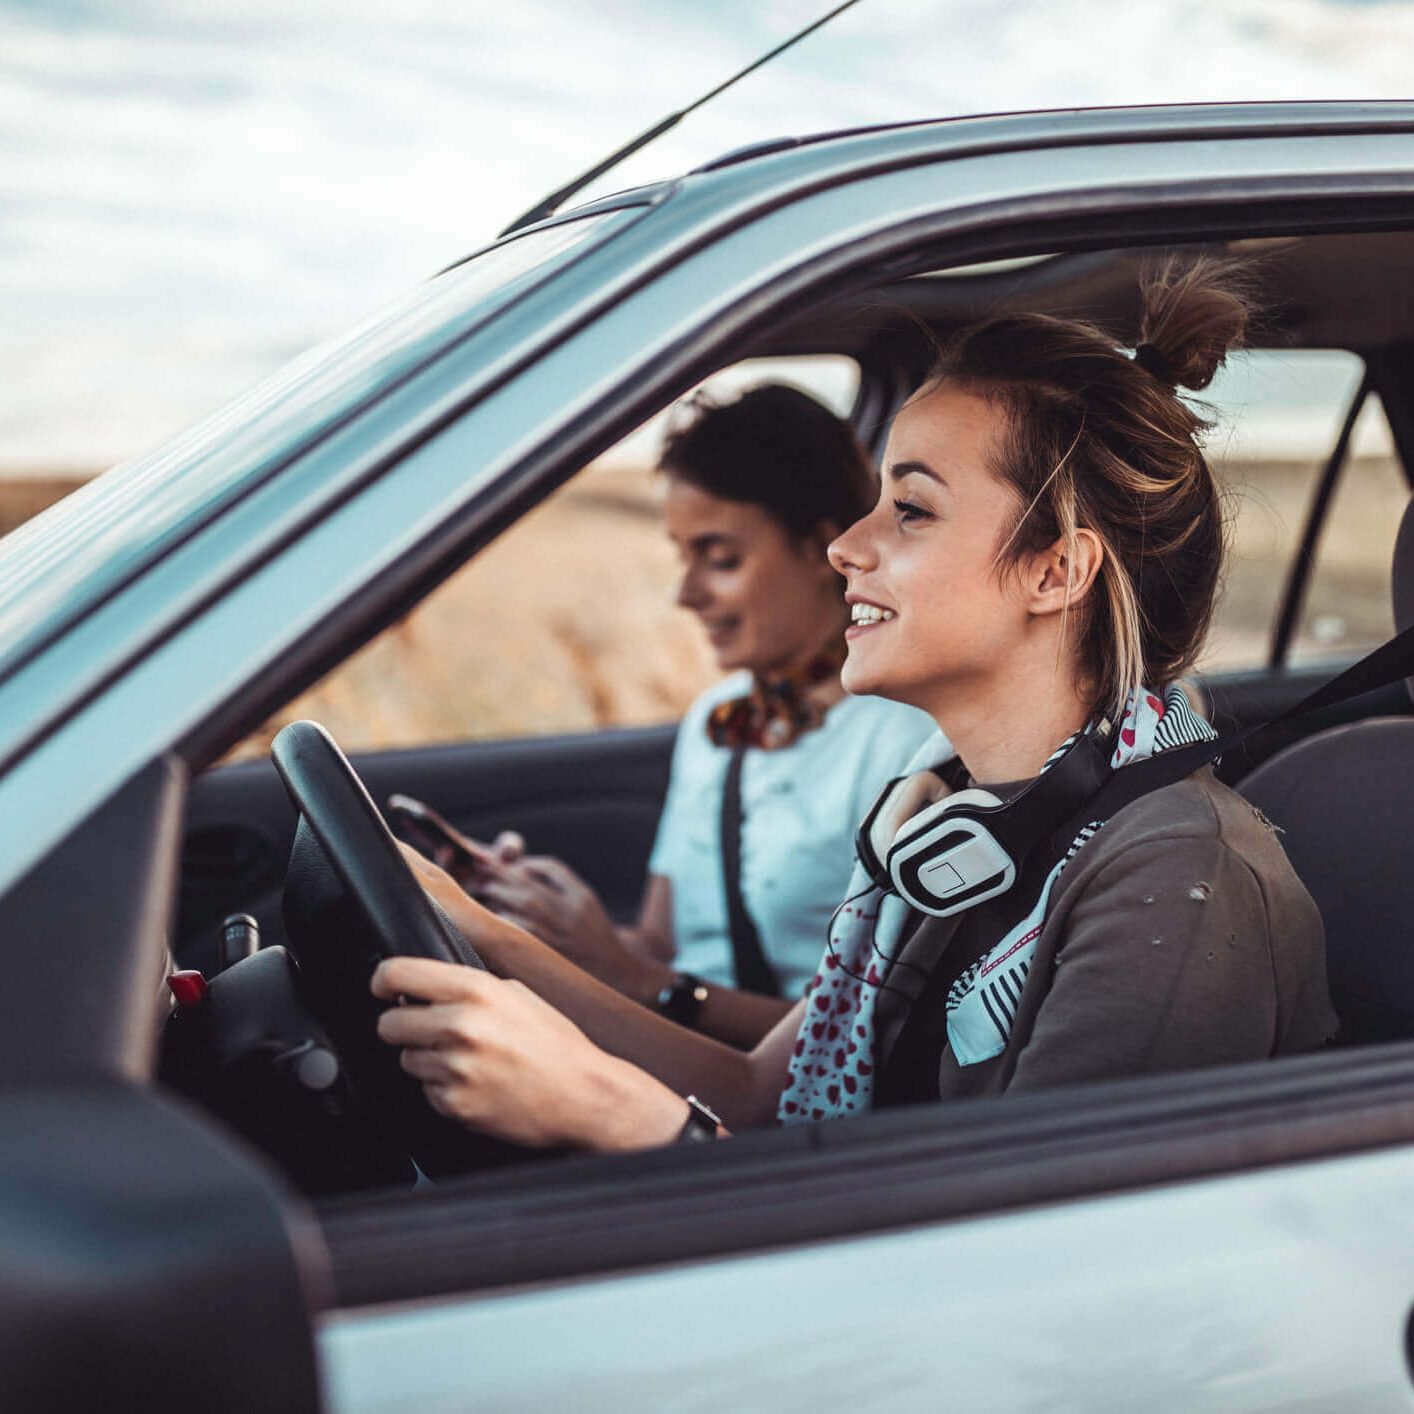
350	901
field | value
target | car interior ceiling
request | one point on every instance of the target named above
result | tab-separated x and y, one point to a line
1330	794
1348	291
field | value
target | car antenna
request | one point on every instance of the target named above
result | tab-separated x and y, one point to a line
550	204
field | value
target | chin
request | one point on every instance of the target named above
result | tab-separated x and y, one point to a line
858	681
729	660
861	678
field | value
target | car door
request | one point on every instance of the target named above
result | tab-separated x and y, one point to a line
1062	1272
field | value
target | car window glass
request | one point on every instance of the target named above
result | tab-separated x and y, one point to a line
1277	414
57	564
565	623
1347	609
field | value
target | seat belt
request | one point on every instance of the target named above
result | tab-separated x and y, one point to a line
753	972
1390	663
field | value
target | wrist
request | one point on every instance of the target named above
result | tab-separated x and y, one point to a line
630	1109
648	980
682	999
504	948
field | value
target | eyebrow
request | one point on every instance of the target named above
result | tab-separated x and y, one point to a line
710	541
898	470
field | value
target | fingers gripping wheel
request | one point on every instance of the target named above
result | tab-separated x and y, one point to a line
350	901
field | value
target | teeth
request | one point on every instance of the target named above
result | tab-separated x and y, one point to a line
870	614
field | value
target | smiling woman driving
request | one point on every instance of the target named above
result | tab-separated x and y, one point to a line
1038	571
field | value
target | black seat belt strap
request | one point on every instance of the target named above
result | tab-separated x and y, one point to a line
753	972
1388	664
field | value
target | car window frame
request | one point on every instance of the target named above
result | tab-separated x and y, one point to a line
1305	556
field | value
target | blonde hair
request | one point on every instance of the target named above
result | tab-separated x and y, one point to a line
1098	439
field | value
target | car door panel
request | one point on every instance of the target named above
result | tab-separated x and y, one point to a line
1284	1288
592	800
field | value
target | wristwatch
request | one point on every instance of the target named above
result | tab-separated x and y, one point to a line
681	1000
701	1124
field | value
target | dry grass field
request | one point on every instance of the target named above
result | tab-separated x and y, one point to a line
567	622
24	496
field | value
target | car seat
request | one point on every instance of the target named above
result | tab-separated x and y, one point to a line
1344	802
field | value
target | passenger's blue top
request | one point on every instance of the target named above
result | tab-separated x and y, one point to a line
800	805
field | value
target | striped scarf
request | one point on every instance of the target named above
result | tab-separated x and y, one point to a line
831	1070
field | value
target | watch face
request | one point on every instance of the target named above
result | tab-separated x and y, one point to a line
681	1000
701	1124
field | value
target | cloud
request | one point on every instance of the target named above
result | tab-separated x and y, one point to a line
189	194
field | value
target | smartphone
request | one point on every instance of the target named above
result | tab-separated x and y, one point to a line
461	856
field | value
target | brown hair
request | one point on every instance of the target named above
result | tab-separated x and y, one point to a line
774	447
1099	439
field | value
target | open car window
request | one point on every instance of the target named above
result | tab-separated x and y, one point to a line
1277	415
1345	609
567	623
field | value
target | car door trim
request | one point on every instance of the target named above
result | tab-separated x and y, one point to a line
592	1215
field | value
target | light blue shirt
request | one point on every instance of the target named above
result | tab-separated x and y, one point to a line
801	806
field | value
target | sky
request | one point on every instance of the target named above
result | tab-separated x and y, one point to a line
193	193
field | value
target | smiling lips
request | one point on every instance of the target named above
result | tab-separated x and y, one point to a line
719	630
864	616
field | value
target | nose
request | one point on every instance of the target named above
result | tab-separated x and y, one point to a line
692	591
853	550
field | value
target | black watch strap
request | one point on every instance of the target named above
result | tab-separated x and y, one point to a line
701	1124
681	1000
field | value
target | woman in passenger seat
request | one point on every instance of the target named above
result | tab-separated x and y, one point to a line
1039	570
756	490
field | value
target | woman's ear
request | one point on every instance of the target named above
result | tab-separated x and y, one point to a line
1062	574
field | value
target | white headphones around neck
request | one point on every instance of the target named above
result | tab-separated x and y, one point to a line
970	846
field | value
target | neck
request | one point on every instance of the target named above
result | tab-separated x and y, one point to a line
1006	725
829	689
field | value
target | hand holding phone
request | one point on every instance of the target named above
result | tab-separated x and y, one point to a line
467	860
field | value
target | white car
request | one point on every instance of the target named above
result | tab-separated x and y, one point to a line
1236	1239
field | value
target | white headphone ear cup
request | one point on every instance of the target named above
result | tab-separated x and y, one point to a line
931	814
971	867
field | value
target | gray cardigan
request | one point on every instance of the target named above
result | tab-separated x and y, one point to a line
1179	936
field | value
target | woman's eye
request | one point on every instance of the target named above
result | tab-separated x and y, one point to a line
911	511
731	562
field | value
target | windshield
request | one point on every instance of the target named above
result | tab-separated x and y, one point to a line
87	545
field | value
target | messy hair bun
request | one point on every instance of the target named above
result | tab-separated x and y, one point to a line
1098	438
1193	313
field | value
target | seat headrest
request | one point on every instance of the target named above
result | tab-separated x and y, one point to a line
1403	578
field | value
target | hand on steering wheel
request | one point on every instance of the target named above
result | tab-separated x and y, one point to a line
350	902
491	1054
